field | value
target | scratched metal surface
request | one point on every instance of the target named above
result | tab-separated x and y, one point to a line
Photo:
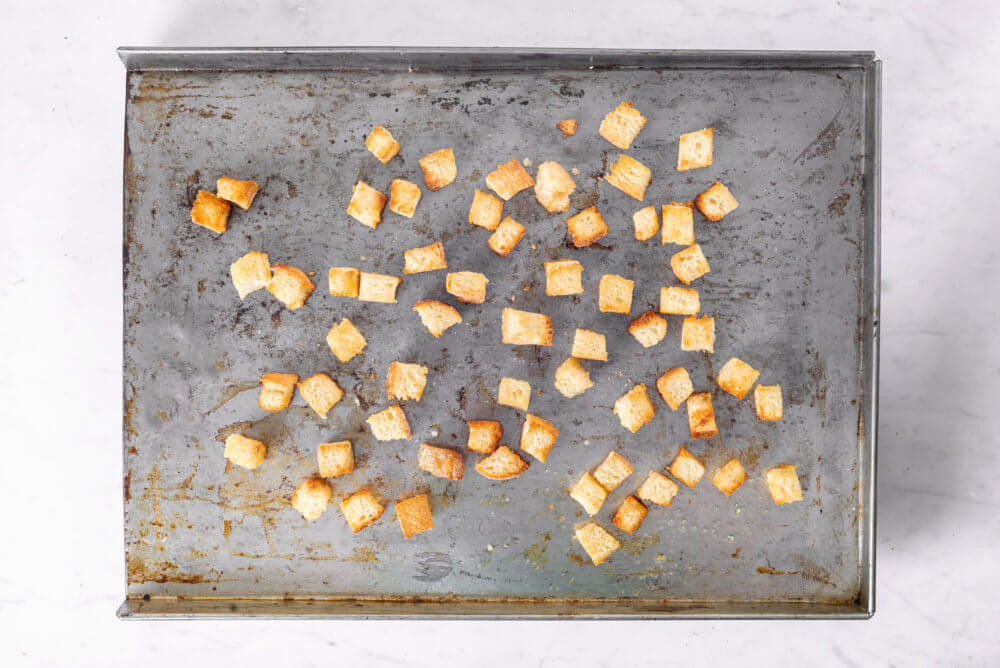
786	290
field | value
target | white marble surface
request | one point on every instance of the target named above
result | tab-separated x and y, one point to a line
61	568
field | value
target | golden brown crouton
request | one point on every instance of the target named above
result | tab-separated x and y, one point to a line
404	197
687	468
345	340
589	494
321	393
679	301
613	471
737	377
621	126
597	542
390	424
335	459
523	328
212	212
675	387
586	227
240	193
378	288
630	176
678	224
698	334
484	436
276	390
509	179
716	202
506	236
382	145
414	515
689	264
405	381
538	436
658	489
441	462
366	205
567	127
504	463
439	168
514	393
251	272
311	498
767	402
485	210
468	287
290	286
572	378
615	294
701	415
630	514
563	277
361	509
426	258
729	478
553	186
344	281
436	316
783	482
647	223
634	408
694	150
589	345
648	329
245	452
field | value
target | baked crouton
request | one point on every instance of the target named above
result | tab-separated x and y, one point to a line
245	452
240	193
523	328
390	424
439	168
321	393
597	542
405	381
675	387
514	393
694	150
509	179
436	316
414	515
687	468
767	402
335	459
404	197
250	273
502	464
485	210
441	462
366	205
345	340
658	489
344	281
613	471
648	329
572	378
213	212
729	478
468	287
586	227
678	224
634	408
382	145
567	127
630	176
701	415
563	277
716	202
506	236
621	126
679	301
698	334
615	294
311	498
378	288
553	186
290	286
426	258
538	436
276	390
647	223
783	482
484	436
589	345
737	377
689	264
361	509
589	494
630	514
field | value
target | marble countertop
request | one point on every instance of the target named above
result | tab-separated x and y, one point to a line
61	567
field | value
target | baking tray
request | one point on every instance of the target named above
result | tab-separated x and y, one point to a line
793	288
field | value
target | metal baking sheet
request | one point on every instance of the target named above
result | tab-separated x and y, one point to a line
793	288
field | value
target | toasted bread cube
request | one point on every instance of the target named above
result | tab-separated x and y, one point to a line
382	145
678	224
484	436
613	471
523	328
361	509
729	478
572	378
621	126
213	212
567	127
553	186
311	498
658	489
538	436
345	340
240	193
276	390
694	150
634	408
687	468
675	387
335	459
403	197
767	402
589	345
436	316
245	452
290	286
366	205
468	287
648	329
597	542
514	393
586	227
647	223
630	176
485	210
426	258
563	277
615	294
321	393
414	515
441	462
502	464
390	424
679	301
589	494
783	482
344	281
698	334
701	415
378	288
506	236
439	168
630	514
509	179
250	273
689	264
737	377
405	381
716	202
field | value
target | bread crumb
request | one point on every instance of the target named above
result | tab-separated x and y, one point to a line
527	162
575	171
489	548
